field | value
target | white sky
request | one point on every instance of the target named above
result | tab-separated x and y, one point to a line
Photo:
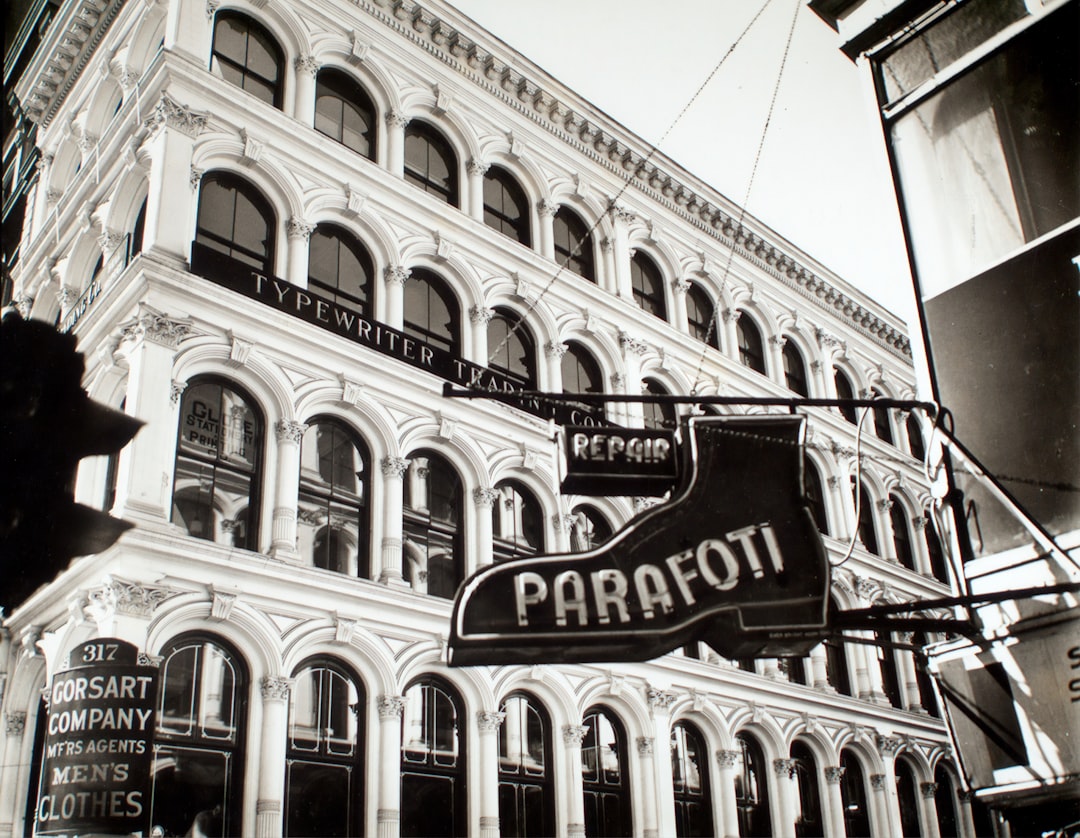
823	179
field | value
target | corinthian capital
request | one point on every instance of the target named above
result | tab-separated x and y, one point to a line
156	327
168	112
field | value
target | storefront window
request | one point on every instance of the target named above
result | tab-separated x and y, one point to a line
432	762
526	793
603	771
690	780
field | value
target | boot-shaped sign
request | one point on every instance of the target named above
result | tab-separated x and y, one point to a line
733	559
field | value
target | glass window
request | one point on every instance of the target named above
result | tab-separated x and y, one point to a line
506	207
589	529
433	548
604	780
246	54
344	112
511	350
135	240
882	419
945	803
526	789
836	667
751	349
340	268
907	795
657	416
647	284
866	532
431	312
432	762
332	516
795	370
938	564
235	221
808	820
573	244
430	162
853	795
581	374
815	496
845	390
690	779
324	780
890	673
218	460
915	438
700	316
518	522
901	534
199	745
752	788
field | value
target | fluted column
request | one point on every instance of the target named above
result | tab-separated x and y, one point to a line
299	234
489	723
679	287
289	435
775	350
573	736
725	807
394	278
621	218
388	795
646	752
730	316
393	469
545	210
967	819
784	769
909	677
880	810
474	195
14	728
834	802
268	807
307	67
928	810
554	353
395	142
485	550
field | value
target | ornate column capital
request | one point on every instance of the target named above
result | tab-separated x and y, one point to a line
834	774
286	430
660	699
731	315
394	466
877	782
275	688
396	119
547	208
928	790
784	766
485	497
574	735
680	286
390	706
168	112
887	745
68	295
489	721
176	390
476	168
631	344
109	240
396	275
563	523
728	759
15	723
299	228
645	746
555	349
481	315
306	64
23	303
621	213
156	327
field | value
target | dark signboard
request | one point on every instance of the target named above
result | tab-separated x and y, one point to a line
733	559
619	461
95	777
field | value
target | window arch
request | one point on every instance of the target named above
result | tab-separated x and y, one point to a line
235	221
324	781
809	822
430	162
845	390
898	517
815	495
647	285
506	206
433	514
340	268
432	314
751	347
604	777
701	316
517	521
344	112
865	526
907	795
573	244
882	419
335	473
752	788
581	374
690	778
526	769
247	55
795	370
218	473
433	761
589	528
916	445
657	415
853	795
511	349
198	767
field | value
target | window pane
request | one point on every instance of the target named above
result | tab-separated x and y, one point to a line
190	791
319	800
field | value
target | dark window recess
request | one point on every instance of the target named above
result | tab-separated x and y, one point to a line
431	312
701	316
647	285
506	207
344	112
430	162
246	54
690	781
432	762
433	549
235	220
605	783
751	348
795	370
526	787
573	244
340	268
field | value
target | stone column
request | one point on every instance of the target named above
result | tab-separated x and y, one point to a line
489	723
725	808
605	278
775	351
272	745
478	351
881	816
890	806
621	286
388	795
834	803
730	317
784	769
299	235
967	820
473	202
307	67
289	435
679	287
632	351
909	678
554	353
573	736
394	278
660	703
485	550
845	527
545	211
648	786
393	469
395	142
819	671
928	810
14	728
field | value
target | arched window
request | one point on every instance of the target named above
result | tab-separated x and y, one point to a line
526	772
836	667
809	822
333	503
434	552
690	778
324	779
218	464
247	55
431	312
344	112
511	350
506	207
433	761
844	390
430	162
938	565
815	496
853	795
604	776
890	672
657	415
927	694
138	232
751	348
752	788
589	529
945	803
882	420
700	316
867	533
235	221
915	438
900	533
907	795
795	370
112	475
581	374
647	284
340	268
573	244
198	768
518	522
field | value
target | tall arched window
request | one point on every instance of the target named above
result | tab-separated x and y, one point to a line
581	374
795	370
431	312
690	778
700	316
511	350
433	761
526	772
836	667
938	564
907	795
882	419
890	672
589	528
138	232
198	768
809	822
324	779
845	390
751	348
945	803
506	207
916	445
752	788
247	55
433	548
853	795
901	534
867	533
657	415
333	503
647	284
344	112
573	244
604	778
518	522
218	461
340	268
235	221
430	162
815	496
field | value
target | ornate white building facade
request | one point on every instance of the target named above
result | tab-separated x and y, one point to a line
277	230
